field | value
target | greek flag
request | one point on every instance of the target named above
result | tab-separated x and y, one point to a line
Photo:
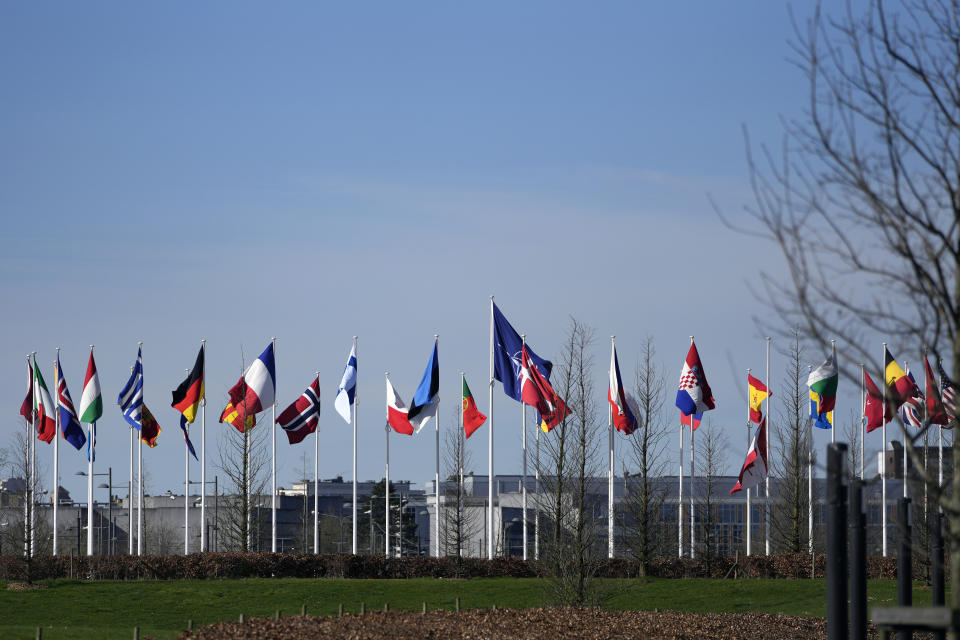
131	398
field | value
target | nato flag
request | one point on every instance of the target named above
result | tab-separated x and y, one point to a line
507	346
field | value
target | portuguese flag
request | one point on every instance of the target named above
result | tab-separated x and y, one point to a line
472	418
187	397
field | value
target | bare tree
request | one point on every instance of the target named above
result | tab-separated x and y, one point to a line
458	528
791	462
243	462
710	466
868	188
646	460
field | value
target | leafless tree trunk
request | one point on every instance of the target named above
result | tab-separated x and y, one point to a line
646	460
458	527
710	465
790	463
864	202
243	463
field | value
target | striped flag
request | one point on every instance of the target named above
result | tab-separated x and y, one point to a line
300	419
131	398
43	406
948	391
26	408
69	425
935	410
91	403
253	392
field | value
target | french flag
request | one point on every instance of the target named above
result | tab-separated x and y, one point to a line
623	418
300	419
256	388
693	394
397	412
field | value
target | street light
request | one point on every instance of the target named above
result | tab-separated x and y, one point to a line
216	518
110	524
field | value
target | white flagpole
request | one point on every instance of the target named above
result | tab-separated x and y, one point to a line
610	548
356	401
749	495
33	472
906	366
490	479
273	449
536	499
129	495
680	492
436	486
766	436
693	510
316	483
863	416
386	485
810	482
140	471
523	486
461	434
883	457
56	451
186	493
940	435
203	453
31	430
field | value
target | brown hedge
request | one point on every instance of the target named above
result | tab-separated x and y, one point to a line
288	565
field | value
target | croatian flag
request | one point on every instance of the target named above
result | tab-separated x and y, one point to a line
347	391
397	412
256	388
623	418
693	394
427	396
300	419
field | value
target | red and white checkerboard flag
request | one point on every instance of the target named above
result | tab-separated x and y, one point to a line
694	394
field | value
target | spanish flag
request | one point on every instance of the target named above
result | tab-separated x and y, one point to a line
758	393
150	428
231	415
900	384
187	397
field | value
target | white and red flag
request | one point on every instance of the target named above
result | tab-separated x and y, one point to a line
536	391
397	412
300	419
623	417
755	466
26	408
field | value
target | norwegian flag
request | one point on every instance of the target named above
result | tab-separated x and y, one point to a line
300	419
948	391
694	394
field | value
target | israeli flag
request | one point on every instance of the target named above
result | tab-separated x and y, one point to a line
348	387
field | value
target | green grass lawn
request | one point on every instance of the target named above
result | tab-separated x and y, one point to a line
79	609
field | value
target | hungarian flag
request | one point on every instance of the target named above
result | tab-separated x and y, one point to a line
693	393
397	412
755	466
472	418
70	427
253	392
902	386
623	418
873	405
300	419
43	406
758	393
537	392
187	397
26	408
91	403
935	408
150	428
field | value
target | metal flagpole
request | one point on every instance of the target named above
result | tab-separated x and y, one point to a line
490	479
386	485
436	486
523	486
749	502
610	549
693	515
833	427
316	484
186	493
203	452
766	436
356	401
940	435
56	450
863	416
31	429
680	493
139	474
810	483
33	469
883	456
273	449
461	435
906	367
130	496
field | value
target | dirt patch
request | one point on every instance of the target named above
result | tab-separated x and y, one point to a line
24	586
522	624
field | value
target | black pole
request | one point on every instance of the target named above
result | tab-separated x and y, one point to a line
858	562
904	560
937	588
836	543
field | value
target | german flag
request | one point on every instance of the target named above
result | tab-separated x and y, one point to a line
187	397
900	384
150	428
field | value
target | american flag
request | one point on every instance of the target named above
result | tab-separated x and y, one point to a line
948	390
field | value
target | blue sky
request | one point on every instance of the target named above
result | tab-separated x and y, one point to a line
236	171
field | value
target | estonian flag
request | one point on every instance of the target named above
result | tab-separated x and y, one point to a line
424	405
